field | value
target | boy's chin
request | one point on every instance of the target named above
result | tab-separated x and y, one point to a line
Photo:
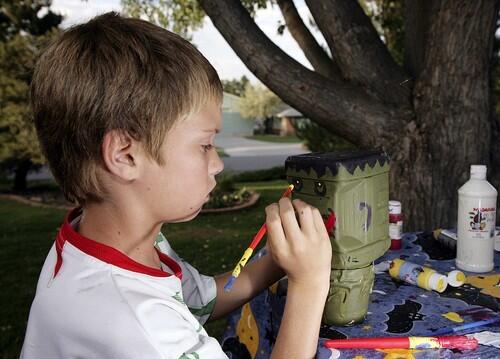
188	217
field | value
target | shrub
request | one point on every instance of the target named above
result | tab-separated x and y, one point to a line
226	194
319	139
270	174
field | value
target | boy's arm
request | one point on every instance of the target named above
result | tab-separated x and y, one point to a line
255	277
301	246
299	328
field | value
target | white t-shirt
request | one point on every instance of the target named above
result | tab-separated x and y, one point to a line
92	301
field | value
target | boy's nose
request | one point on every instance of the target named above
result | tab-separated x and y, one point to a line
216	165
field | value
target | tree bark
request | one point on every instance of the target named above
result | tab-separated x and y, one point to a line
494	171
316	55
433	131
22	169
416	27
358	49
452	113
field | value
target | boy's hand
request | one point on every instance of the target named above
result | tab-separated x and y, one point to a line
302	248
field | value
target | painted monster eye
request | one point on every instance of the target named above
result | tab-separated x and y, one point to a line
319	188
297	184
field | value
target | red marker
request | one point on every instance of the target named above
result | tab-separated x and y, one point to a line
452	342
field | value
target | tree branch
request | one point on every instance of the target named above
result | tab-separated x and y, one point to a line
416	30
316	55
358	50
341	108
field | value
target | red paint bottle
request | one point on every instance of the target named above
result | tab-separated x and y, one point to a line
395	224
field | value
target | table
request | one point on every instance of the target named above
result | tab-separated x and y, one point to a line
396	309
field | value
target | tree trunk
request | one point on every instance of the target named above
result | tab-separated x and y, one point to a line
494	171
434	138
20	175
452	103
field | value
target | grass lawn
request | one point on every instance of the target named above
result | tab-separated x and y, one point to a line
275	138
212	243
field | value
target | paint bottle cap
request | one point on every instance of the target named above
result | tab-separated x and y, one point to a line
456	278
438	282
394	207
478	171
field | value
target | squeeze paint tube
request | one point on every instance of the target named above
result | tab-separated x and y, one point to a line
424	277
456	278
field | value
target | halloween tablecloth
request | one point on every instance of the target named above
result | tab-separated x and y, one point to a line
396	309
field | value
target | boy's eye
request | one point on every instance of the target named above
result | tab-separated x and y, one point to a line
207	148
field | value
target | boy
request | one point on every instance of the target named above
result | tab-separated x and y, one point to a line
126	113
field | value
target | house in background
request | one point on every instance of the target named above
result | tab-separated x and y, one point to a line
286	118
233	124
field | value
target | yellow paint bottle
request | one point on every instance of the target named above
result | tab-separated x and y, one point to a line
424	277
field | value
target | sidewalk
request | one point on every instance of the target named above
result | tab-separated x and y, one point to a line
250	155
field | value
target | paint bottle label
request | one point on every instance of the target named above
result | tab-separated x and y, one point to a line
476	223
395	224
424	277
497	241
395	230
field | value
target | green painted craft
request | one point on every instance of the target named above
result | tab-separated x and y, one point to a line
355	186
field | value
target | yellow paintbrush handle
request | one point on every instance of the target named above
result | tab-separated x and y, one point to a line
244	259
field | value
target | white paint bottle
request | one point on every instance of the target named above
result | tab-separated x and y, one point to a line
477	200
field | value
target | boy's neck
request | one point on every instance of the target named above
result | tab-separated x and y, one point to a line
128	231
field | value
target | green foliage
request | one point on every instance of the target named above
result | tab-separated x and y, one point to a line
319	139
226	194
275	173
17	133
235	86
225	183
259	102
388	18
179	16
275	138
23	15
220	199
22	35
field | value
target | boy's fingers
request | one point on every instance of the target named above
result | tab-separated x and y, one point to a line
288	219
305	214
273	223
319	223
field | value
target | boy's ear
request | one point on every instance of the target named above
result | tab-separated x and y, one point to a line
120	153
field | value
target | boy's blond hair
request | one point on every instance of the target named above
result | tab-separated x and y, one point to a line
113	73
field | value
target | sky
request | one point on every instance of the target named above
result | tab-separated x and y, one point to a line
207	39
